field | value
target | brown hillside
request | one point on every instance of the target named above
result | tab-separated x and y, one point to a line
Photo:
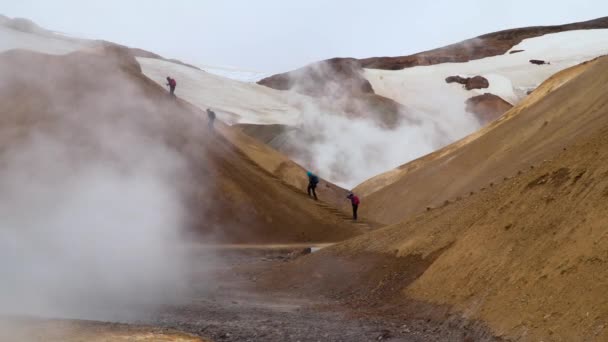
226	193
263	133
565	108
492	44
279	166
323	78
526	255
487	107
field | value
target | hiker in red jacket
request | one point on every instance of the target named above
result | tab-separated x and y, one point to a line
354	200
171	83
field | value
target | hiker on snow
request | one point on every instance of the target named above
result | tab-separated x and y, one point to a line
354	200
211	115
313	180
171	83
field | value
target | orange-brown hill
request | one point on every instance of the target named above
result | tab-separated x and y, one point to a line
562	110
526	256
225	192
267	156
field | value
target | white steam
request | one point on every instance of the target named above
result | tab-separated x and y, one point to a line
348	149
90	231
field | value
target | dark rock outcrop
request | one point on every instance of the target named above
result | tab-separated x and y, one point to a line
477	82
538	62
487	107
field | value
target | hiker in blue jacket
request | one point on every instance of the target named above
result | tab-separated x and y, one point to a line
313	180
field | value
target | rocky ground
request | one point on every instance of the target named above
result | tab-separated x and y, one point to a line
232	310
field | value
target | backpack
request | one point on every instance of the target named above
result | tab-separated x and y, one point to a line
314	179
172	82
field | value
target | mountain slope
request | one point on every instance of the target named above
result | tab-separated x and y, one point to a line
83	95
442	112
487	45
555	115
526	256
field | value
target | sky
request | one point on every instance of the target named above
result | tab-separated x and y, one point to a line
280	35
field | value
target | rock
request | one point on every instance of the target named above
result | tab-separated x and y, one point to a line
515	51
477	82
538	62
298	253
456	79
487	107
384	335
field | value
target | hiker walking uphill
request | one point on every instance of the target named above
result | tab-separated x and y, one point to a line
171	84
313	180
354	200
211	116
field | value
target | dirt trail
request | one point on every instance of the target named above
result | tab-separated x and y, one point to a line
235	310
361	223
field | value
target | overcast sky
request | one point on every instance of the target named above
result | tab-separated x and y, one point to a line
278	35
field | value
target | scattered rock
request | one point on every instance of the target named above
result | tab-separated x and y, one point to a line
515	51
539	62
384	335
477	82
487	107
299	253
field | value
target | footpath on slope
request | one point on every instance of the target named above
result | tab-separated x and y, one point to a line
223	130
300	192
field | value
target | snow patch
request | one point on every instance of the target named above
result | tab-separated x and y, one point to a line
510	75
234	101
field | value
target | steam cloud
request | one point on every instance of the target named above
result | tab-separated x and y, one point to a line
348	150
85	242
91	215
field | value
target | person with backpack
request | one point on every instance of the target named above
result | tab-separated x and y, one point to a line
313	180
171	83
211	116
354	200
